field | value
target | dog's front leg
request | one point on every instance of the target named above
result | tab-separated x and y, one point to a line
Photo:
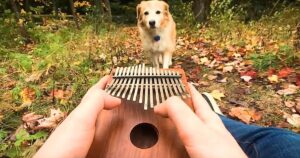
155	60
167	57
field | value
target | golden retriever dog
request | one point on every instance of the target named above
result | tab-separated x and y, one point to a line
157	31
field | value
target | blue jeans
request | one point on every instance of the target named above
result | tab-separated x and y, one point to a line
264	142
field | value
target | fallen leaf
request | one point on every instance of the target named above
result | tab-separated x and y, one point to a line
250	73
289	104
27	95
224	80
271	71
237	102
61	94
273	78
35	76
203	83
30	120
217	94
58	93
204	61
246	78
115	60
227	69
195	59
245	114
293	119
211	77
291	89
285	72
56	116
297	107
298	80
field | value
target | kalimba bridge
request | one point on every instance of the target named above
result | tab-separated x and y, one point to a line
147	85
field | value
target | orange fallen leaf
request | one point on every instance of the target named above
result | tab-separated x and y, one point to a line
27	95
285	72
245	114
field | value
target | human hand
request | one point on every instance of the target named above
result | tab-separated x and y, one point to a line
74	136
202	133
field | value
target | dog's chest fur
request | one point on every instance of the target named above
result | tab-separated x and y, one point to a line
160	46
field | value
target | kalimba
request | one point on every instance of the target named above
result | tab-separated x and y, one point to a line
133	130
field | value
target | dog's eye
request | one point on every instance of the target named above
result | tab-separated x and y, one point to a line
146	13
158	12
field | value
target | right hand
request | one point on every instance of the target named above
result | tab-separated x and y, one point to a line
202	133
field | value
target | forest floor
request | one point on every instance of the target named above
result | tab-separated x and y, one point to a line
252	70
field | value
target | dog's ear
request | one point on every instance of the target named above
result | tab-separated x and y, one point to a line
166	7
138	11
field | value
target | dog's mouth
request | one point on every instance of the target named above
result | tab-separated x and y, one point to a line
152	27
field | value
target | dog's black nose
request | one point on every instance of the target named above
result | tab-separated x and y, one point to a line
152	23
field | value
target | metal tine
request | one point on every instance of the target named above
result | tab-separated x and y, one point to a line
151	87
164	84
124	82
133	82
142	84
158	73
146	89
156	87
108	90
137	82
173	83
168	82
120	82
117	80
128	82
183	88
181	91
113	81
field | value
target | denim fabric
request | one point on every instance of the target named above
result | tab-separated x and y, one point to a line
264	142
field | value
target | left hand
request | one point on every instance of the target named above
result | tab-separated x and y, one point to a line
74	136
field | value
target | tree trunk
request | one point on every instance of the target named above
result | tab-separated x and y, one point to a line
201	9
74	14
55	9
106	9
21	25
27	5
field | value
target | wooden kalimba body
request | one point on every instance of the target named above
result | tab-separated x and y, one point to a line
133	130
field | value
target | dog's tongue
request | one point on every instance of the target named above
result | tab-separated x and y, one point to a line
156	38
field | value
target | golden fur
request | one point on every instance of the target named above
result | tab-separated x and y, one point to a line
163	27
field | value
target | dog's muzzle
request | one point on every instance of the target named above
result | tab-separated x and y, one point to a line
152	24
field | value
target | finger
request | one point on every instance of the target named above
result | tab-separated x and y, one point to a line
96	98
103	82
111	102
203	110
189	126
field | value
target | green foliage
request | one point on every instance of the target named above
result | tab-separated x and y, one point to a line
182	12
23	61
23	136
3	135
222	10
264	61
287	54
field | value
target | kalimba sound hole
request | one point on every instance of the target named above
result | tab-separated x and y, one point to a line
144	135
